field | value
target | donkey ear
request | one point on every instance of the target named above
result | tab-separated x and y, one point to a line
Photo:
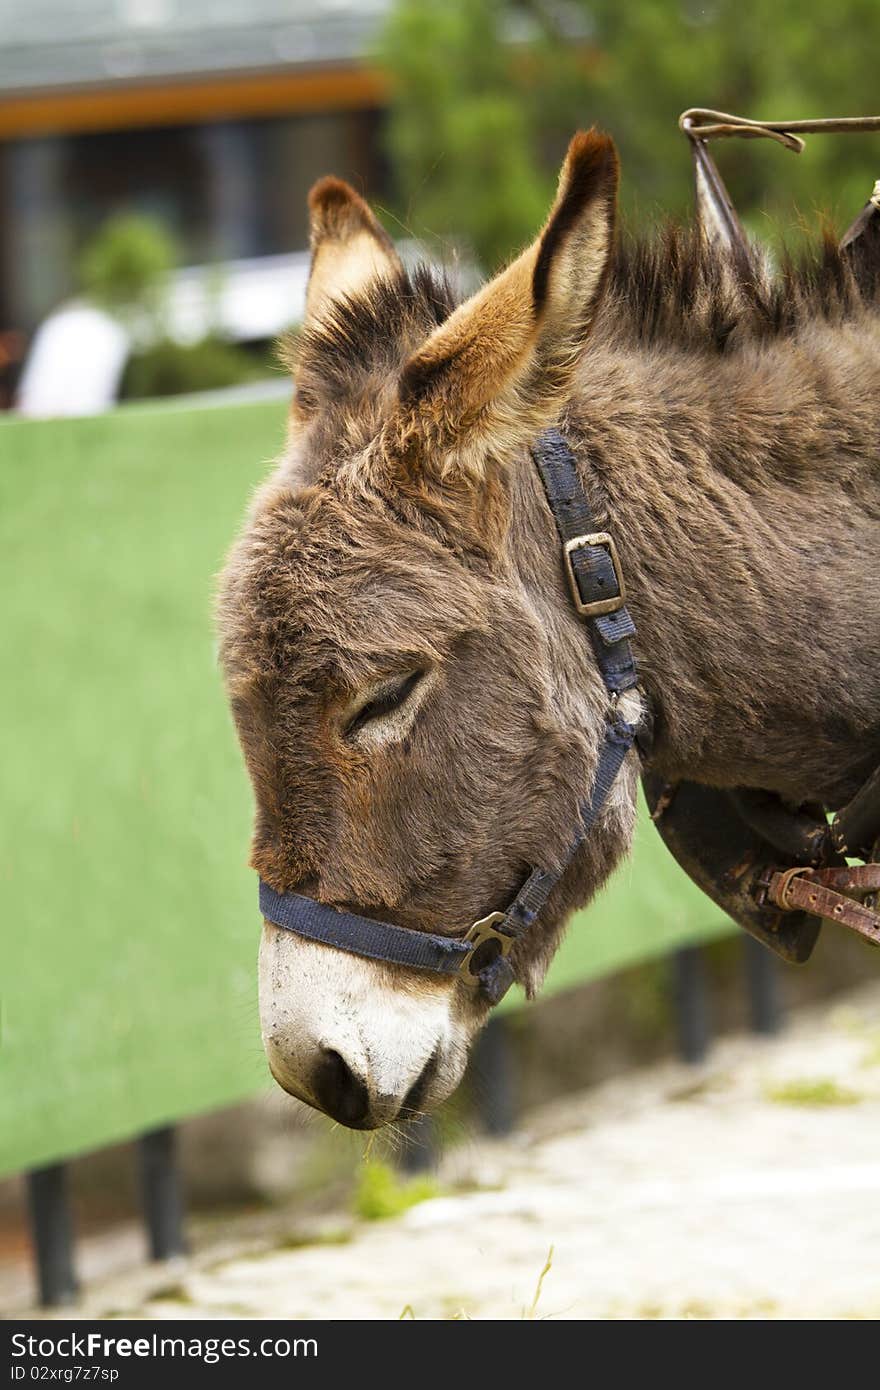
349	246
500	368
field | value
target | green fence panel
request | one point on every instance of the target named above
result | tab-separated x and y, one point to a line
128	929
128	922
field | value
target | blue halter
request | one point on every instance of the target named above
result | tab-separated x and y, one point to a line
480	955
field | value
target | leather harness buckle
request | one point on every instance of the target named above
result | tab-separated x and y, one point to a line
477	936
597	607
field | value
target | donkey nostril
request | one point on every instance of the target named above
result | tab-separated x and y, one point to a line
339	1091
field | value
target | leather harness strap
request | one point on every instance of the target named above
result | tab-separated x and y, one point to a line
376	940
593	570
829	893
480	955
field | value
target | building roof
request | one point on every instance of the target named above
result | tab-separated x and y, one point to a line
54	44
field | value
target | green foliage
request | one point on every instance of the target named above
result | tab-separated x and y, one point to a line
460	132
126	265
792	60
381	1192
168	368
486	93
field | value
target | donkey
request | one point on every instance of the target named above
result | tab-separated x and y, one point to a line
417	706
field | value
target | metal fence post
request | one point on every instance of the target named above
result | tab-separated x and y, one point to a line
691	1004
52	1232
419	1152
495	1076
162	1199
762	980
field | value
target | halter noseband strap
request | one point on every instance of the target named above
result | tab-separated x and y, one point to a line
480	956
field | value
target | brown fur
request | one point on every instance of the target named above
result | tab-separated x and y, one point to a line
728	431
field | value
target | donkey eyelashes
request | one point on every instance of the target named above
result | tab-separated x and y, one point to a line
385	701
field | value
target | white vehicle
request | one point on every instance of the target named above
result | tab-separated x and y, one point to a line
79	353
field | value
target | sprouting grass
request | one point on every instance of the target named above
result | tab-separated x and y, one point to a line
382	1193
811	1091
532	1310
461	1315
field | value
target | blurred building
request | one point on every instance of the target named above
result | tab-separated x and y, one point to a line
214	115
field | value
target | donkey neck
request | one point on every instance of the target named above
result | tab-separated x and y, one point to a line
745	507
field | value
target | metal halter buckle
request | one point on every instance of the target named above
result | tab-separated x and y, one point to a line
602	605
477	936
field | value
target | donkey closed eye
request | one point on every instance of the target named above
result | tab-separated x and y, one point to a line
388	705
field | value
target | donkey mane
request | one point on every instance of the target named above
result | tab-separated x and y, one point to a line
675	288
671	288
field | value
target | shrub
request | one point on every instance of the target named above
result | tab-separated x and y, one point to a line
171	369
125	267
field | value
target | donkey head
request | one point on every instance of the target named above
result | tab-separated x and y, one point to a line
417	705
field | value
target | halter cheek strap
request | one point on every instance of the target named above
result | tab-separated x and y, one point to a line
480	956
